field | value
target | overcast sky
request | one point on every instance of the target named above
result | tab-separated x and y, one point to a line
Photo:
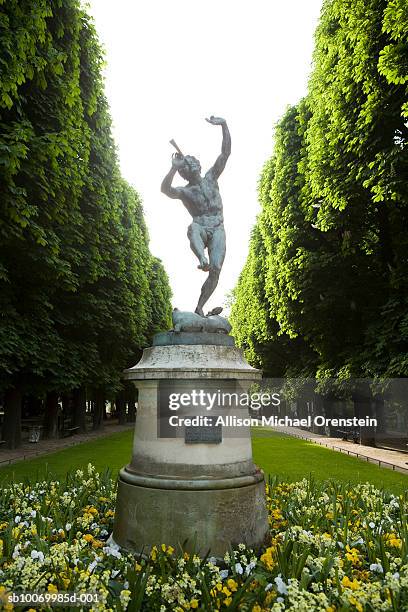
172	63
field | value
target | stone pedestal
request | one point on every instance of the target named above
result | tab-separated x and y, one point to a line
198	488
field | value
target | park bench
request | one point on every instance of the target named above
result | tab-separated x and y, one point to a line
349	434
69	431
2	442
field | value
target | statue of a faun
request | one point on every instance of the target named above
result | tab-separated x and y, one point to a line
201	197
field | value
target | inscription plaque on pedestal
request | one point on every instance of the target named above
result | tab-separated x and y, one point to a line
203	434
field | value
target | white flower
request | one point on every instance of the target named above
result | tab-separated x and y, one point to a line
279	599
396	575
212	560
92	566
250	567
239	569
223	574
377	567
17	519
371	524
37	554
268	586
33	513
16	551
68	527
114	573
113	550
281	586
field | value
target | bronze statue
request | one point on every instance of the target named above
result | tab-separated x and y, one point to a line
202	199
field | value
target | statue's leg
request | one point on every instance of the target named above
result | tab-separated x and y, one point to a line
216	252
197	236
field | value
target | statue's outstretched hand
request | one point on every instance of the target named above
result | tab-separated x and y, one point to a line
216	120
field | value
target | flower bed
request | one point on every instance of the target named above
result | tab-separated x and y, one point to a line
330	548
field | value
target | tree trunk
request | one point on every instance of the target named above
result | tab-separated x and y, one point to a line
98	412
121	408
131	415
79	409
363	407
131	411
67	416
51	415
12	418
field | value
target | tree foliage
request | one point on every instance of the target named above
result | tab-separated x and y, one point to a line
80	292
332	232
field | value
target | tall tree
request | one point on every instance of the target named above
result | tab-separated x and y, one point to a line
334	218
75	266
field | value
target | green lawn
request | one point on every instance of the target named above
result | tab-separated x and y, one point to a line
289	458
292	459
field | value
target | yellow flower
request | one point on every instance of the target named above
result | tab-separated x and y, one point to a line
392	540
163	547
52	588
352	555
226	591
256	608
267	558
88	537
138	567
194	603
228	601
348	584
153	553
232	584
170	550
356	603
331	609
218	586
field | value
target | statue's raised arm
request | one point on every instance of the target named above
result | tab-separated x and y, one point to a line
221	160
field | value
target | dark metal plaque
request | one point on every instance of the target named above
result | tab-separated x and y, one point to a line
203	435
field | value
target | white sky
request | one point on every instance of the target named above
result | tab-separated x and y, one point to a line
172	63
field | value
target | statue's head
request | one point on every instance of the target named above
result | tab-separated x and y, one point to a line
191	168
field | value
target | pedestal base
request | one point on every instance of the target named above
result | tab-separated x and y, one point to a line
190	485
201	516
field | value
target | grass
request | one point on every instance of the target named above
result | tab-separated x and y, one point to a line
111	452
289	458
292	459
